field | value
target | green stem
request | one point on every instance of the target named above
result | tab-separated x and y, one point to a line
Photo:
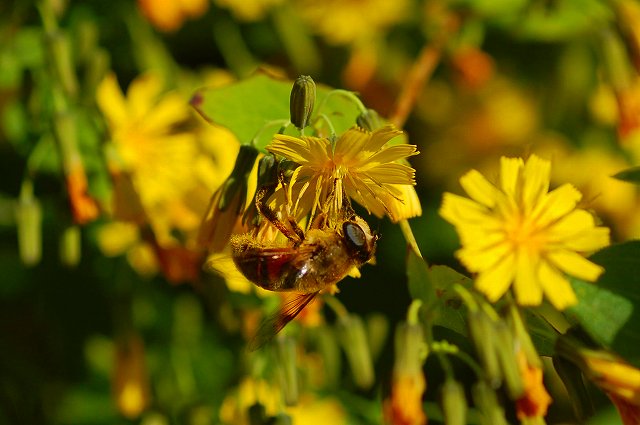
405	227
284	124
349	95
338	308
412	312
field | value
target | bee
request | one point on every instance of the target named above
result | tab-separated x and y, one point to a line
307	264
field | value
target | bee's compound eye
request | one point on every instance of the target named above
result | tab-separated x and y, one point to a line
354	235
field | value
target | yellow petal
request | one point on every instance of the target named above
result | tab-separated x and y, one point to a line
409	207
556	204
589	241
111	101
575	265
556	288
510	174
462	211
495	281
573	223
481	258
392	174
290	147
527	288
390	154
382	136
479	188
142	94
535	180
351	144
165	114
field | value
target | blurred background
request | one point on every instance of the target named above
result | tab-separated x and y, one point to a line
106	171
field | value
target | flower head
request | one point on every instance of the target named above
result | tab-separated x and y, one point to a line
361	163
350	21
168	16
519	233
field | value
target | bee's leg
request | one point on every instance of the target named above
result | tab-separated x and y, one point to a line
268	213
290	217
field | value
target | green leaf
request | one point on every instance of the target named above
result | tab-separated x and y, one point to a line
434	286
420	284
609	310
631	175
262	103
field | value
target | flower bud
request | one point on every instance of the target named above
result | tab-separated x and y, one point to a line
454	403
257	414
303	97
369	120
482	332
236	185
331	356
287	369
70	246
486	402
404	405
353	337
29	226
571	376
508	362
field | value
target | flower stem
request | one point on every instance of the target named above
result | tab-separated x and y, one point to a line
338	308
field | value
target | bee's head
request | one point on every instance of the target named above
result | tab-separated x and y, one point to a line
360	240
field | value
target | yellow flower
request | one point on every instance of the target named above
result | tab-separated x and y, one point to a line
141	125
360	162
164	162
519	233
169	15
350	21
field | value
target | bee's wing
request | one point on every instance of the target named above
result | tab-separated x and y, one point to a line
274	324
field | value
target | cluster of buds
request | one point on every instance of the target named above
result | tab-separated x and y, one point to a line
508	358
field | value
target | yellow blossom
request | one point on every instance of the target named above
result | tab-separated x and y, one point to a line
361	163
164	166
350	21
141	127
518	233
169	15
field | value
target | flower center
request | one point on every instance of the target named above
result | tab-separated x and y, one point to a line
522	232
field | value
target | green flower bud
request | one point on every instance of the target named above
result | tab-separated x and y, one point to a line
287	369
508	361
482	332
257	414
486	402
70	246
571	376
369	120
454	403
303	97
353	338
409	346
29	224
236	184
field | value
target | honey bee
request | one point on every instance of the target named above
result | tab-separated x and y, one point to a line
308	263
